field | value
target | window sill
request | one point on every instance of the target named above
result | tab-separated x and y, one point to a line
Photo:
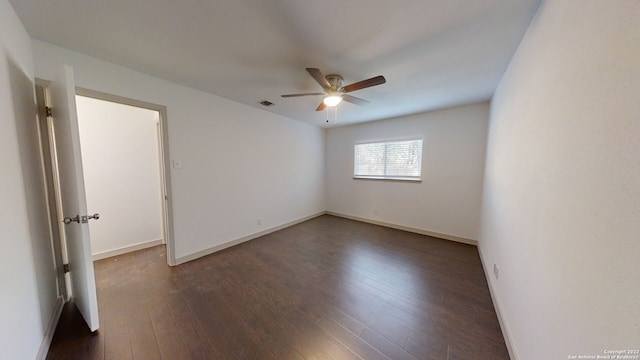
401	179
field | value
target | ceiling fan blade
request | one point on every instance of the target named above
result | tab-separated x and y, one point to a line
317	75
378	80
355	100
305	94
321	106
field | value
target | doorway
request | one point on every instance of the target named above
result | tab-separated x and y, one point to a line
121	165
160	163
128	166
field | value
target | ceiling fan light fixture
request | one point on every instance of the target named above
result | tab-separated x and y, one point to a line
332	100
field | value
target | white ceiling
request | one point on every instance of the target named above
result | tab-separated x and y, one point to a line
433	53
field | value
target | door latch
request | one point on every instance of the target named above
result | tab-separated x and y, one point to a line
85	218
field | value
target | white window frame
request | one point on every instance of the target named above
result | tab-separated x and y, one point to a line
417	178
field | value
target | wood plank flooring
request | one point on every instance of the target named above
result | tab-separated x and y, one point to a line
328	288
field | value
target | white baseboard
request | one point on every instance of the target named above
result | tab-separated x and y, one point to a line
407	228
506	333
126	249
213	249
51	329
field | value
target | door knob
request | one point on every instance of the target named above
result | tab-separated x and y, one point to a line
68	220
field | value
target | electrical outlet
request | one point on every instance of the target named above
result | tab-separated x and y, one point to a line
496	270
259	221
177	164
375	211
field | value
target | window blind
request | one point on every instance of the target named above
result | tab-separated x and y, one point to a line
400	160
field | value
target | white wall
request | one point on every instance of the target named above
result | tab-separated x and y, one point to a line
239	163
27	278
561	213
448	199
121	165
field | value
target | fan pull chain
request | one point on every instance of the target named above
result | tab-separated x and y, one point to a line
335	114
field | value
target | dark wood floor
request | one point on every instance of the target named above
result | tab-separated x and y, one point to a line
328	288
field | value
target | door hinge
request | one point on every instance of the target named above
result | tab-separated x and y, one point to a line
65	268
48	111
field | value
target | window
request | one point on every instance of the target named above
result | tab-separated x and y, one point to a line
394	160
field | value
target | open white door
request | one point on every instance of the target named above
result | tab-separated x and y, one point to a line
74	203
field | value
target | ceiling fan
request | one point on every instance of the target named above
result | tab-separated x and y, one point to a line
335	92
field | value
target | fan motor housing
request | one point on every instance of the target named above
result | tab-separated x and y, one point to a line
335	81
